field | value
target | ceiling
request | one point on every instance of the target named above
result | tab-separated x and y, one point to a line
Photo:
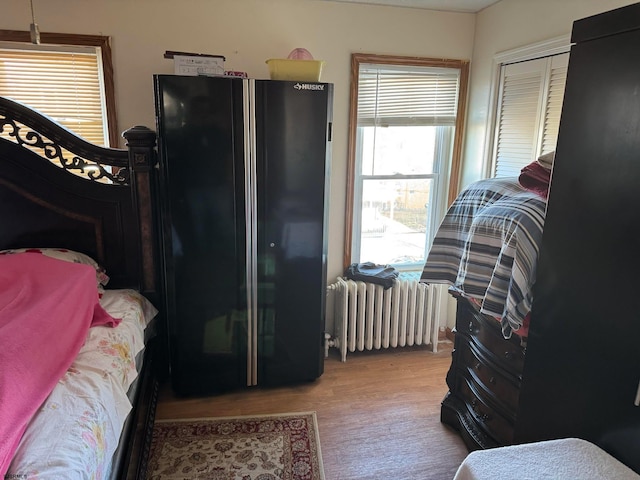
468	6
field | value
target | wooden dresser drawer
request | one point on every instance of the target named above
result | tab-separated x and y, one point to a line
503	389
487	335
486	416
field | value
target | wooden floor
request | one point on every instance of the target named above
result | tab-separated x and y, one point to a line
378	414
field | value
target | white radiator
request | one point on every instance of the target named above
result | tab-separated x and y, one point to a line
366	316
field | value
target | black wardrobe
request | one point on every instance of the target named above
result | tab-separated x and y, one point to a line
582	363
245	176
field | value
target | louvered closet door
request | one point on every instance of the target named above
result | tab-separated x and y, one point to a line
528	115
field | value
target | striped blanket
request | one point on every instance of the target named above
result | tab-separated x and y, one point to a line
487	247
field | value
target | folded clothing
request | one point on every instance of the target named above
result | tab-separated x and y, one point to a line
384	275
536	176
546	160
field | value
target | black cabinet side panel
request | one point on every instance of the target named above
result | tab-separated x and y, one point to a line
582	365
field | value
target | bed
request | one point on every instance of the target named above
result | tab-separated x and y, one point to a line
486	250
80	264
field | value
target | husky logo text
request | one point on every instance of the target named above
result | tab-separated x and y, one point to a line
308	86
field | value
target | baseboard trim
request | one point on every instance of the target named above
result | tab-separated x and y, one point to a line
449	334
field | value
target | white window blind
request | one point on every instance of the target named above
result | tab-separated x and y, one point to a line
391	96
62	83
529	107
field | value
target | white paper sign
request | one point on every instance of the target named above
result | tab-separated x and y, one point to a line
189	65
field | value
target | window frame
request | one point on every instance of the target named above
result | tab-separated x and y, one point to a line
454	169
99	41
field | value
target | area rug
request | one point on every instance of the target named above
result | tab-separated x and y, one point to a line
272	447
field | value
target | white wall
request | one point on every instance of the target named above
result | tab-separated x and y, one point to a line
247	32
507	25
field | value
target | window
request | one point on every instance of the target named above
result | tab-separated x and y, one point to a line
404	146
528	108
67	77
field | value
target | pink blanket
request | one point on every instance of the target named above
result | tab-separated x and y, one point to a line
46	309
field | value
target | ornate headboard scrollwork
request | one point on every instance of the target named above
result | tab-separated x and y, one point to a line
52	141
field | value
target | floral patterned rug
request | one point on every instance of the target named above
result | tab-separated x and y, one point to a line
269	447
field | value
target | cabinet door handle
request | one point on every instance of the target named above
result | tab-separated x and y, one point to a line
637	400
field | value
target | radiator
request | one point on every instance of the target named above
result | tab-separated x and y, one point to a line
366	316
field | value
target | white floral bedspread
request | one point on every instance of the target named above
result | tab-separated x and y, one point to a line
77	429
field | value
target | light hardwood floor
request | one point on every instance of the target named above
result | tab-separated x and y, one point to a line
378	413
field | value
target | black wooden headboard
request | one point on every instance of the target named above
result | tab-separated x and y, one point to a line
57	190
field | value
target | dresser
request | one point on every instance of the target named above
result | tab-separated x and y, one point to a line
484	379
578	375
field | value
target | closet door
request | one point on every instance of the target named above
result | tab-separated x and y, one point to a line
582	361
528	112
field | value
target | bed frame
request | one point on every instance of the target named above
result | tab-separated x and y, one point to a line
108	214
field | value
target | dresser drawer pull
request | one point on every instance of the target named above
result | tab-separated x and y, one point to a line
478	366
492	380
472	327
508	355
484	417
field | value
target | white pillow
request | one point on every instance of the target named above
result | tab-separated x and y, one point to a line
68	256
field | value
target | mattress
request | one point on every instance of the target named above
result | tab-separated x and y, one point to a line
76	431
487	247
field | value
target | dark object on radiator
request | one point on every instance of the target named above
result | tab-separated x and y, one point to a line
384	275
